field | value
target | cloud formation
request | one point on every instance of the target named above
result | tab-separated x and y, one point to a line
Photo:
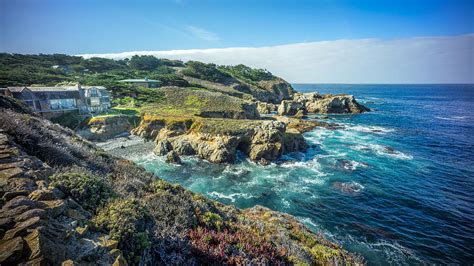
202	33
410	60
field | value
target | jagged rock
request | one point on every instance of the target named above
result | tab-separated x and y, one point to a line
120	261
266	108
39	195
12	194
20	201
338	104
10	250
173	157
54	207
32	241
294	141
105	127
10	172
19	183
183	147
30	214
21	227
6	222
301	113
162	147
288	107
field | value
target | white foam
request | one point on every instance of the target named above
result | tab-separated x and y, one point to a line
452	118
232	197
382	151
369	129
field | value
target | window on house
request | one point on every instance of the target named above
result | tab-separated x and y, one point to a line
58	104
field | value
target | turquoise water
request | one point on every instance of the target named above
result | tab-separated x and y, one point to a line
395	185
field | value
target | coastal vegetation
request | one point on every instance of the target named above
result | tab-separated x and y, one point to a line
74	196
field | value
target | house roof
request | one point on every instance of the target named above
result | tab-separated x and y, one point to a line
140	80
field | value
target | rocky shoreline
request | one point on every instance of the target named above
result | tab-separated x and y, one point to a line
66	201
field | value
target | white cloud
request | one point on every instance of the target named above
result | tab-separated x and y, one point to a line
202	33
410	60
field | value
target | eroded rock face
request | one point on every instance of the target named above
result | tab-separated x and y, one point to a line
34	225
303	103
262	140
103	128
266	108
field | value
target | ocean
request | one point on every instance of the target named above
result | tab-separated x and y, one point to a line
395	185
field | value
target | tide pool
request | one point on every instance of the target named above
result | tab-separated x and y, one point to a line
395	185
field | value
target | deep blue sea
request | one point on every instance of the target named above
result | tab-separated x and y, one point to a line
395	185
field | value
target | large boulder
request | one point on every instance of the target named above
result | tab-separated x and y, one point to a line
289	107
337	104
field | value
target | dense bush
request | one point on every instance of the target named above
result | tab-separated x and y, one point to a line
127	221
205	71
247	73
241	247
87	189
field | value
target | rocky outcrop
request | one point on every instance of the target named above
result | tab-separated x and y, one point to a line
266	108
218	140
38	224
105	127
303	103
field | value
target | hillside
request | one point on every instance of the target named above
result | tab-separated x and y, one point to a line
65	199
239	81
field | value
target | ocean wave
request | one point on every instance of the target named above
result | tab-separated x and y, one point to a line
452	118
232	197
369	129
382	151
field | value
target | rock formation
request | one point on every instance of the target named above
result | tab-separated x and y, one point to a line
320	104
218	140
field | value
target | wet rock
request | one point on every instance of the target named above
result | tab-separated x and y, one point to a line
10	250
162	147
183	147
173	157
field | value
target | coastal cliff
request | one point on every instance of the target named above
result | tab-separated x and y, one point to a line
66	201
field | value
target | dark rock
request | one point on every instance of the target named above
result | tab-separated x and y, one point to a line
12	194
10	250
20	201
21	227
173	157
30	214
162	147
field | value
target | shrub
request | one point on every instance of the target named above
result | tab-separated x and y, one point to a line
87	189
234	248
127	221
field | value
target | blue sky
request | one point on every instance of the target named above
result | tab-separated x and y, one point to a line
326	41
95	26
